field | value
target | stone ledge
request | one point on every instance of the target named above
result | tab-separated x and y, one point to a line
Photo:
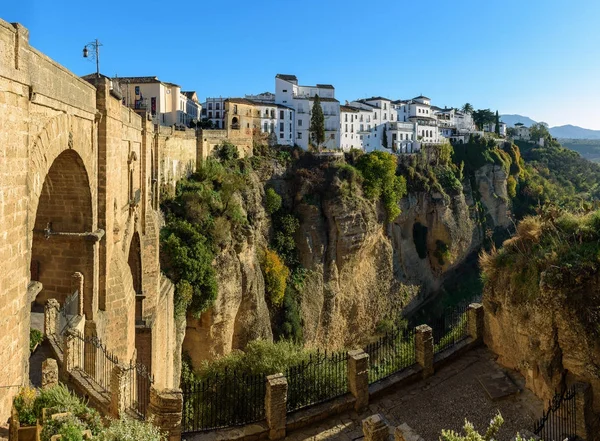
303	417
399	379
98	398
442	358
249	432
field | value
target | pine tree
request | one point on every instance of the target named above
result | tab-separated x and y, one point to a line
384	140
497	124
317	123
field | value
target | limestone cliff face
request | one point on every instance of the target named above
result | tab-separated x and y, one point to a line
240	313
545	339
361	268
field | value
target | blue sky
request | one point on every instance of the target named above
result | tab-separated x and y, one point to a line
536	58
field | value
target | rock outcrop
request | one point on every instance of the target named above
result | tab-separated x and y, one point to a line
361	268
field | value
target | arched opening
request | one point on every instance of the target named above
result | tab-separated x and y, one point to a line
60	245
235	123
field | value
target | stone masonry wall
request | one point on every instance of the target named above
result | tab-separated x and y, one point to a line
178	151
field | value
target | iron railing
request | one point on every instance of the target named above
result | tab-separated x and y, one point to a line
222	400
140	381
392	353
449	329
559	421
321	378
98	361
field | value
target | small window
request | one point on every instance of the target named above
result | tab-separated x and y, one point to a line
210	114
332	136
281	135
299	135
281	114
284	90
217	106
281	129
290	114
209	106
299	123
218	114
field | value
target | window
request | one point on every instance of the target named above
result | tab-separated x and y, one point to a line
281	127
332	136
299	135
375	116
284	90
210	114
346	118
247	125
281	135
266	127
384	106
385	116
352	128
290	114
299	123
272	127
218	115
217	106
362	127
290	127
234	108
281	114
209	106
346	129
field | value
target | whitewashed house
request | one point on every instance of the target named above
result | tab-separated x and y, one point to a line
301	98
213	109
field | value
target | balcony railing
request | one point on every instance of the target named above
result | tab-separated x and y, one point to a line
235	126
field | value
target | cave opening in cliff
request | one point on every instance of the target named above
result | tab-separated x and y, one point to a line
420	239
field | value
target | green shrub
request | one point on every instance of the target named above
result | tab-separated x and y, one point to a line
35	338
131	430
380	181
227	151
70	427
442	252
272	201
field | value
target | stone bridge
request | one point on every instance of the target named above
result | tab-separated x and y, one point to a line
79	182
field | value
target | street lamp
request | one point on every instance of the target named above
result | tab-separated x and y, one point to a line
95	46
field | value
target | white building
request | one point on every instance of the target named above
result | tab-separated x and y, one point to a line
276	120
213	109
454	125
164	101
522	132
301	99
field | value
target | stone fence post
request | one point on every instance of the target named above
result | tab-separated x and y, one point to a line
78	285
49	373
424	349
276	405
375	428
51	317
475	321
358	377
119	390
166	410
71	353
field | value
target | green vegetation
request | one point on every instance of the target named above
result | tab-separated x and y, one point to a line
131	430
24	404
381	182
442	252
482	117
587	148
69	427
272	201
204	217
35	338
472	435
317	123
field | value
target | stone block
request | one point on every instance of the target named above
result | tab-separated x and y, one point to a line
51	317
375	428
119	388
276	405
358	378
405	433
165	409
49	373
424	349
475	321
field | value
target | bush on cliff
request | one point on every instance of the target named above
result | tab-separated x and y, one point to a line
203	218
276	274
381	182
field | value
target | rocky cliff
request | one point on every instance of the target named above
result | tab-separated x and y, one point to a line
360	268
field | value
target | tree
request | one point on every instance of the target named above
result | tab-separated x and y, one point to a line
482	117
317	123
467	108
539	130
384	138
497	122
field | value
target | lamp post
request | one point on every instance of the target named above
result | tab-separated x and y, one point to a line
95	46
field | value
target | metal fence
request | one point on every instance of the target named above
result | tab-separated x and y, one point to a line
392	353
559	421
98	361
321	378
140	381
67	313
449	329
222	400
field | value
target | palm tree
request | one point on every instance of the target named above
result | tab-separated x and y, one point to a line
467	108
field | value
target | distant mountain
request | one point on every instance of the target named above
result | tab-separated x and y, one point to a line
574	132
511	120
568	131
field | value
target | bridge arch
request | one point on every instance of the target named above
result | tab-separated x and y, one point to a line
62	210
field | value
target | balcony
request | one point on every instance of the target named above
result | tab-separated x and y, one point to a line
235	126
403	126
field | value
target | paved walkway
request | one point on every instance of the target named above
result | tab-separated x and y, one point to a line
443	402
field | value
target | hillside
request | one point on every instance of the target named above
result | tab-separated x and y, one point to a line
587	148
566	131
